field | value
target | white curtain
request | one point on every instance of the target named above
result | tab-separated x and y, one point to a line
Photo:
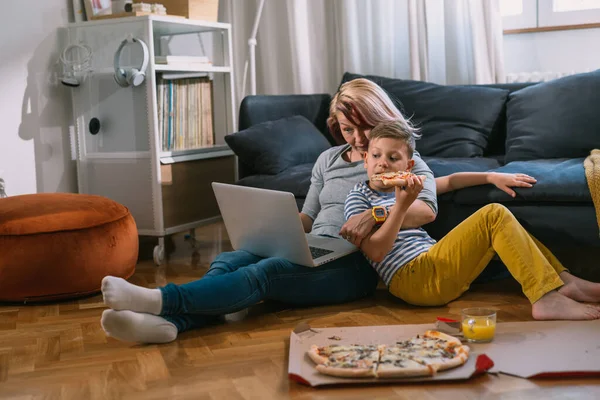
304	46
456	42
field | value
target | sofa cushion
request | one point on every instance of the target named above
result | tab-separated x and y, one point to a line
295	180
555	119
273	146
558	180
455	121
447	166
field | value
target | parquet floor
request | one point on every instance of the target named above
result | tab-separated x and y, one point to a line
59	351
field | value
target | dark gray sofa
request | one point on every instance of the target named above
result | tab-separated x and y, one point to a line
544	130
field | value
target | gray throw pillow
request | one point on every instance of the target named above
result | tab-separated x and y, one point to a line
273	146
555	119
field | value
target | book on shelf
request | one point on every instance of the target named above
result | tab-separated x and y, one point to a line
185	113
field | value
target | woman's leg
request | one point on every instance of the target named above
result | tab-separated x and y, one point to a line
119	294
227	262
191	305
341	280
450	266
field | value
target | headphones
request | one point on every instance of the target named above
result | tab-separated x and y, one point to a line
126	77
76	62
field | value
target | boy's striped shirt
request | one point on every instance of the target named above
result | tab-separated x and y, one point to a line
408	244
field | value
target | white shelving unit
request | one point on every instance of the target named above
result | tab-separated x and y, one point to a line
166	191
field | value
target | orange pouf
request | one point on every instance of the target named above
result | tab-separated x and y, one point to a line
60	245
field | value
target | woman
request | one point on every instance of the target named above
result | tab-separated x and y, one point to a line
237	280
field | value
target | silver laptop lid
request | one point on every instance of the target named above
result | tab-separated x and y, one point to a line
263	222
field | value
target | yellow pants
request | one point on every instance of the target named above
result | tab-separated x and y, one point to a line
446	271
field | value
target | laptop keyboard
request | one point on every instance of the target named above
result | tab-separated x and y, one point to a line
318	252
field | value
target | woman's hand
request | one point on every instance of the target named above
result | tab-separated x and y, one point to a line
358	227
504	181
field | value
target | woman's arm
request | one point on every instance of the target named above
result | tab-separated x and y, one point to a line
307	222
312	205
502	181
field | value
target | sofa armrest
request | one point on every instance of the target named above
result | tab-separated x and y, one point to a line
263	108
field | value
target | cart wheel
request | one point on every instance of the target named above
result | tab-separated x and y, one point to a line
191	238
159	254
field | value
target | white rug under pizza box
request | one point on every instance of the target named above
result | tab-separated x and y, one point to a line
302	369
537	349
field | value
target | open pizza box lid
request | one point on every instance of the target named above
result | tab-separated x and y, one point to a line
544	349
302	369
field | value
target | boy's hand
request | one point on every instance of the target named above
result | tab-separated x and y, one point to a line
504	181
406	195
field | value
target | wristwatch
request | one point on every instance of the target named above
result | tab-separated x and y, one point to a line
379	214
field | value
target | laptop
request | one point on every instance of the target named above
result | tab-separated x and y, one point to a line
267	223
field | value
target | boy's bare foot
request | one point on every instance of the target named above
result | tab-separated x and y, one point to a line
553	306
578	289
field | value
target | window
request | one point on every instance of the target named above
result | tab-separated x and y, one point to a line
525	14
518	14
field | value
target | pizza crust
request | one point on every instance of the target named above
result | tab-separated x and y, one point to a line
346	372
442	336
396	372
314	354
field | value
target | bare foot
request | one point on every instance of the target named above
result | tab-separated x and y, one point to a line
554	305
578	289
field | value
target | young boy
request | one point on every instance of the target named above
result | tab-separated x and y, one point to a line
421	271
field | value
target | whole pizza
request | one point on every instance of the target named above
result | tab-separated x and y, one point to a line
423	355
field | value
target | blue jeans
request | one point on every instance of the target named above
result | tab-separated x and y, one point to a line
238	279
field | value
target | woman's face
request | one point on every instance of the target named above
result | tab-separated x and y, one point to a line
356	137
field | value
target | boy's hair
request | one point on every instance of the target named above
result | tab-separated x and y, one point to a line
365	104
394	130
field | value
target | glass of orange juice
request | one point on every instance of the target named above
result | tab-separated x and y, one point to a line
478	324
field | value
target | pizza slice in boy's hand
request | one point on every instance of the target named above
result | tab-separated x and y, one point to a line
395	178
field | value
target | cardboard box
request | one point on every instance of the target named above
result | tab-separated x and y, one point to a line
545	349
538	349
203	10
302	369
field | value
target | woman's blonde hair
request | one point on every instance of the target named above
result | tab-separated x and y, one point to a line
366	105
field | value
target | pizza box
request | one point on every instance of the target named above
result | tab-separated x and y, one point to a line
302	369
542	349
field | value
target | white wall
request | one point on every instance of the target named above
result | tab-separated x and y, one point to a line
555	51
35	110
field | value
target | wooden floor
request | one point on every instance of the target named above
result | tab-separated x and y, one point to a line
60	351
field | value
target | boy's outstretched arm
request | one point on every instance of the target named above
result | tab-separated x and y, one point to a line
502	181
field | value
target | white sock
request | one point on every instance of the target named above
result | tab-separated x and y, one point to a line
119	294
130	326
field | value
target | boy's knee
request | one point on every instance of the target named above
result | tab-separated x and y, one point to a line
496	210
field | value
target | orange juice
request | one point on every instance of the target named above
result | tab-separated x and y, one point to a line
478	329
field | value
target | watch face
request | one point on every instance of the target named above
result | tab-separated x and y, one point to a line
380	213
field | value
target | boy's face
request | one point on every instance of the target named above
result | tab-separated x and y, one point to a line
386	155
